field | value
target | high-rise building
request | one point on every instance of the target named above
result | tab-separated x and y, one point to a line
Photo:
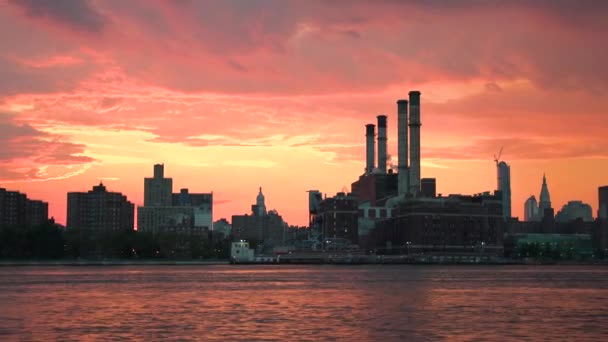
504	185
602	211
99	210
574	210
183	212
157	190
531	210
545	198
260	203
36	212
17	210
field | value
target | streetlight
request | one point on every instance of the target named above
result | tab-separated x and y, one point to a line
408	247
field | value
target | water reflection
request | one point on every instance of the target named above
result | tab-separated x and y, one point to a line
303	303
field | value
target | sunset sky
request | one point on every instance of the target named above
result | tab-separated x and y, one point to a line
233	95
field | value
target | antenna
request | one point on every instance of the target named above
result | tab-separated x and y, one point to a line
497	157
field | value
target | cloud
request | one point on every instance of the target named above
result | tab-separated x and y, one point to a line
28	153
80	15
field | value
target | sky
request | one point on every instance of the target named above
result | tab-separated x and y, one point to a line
233	95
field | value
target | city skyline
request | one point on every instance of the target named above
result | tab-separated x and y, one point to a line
276	95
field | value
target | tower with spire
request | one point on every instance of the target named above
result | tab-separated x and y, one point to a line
260	204
545	198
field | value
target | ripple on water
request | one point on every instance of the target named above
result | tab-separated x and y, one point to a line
303	303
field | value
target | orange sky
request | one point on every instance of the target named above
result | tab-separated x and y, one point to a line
233	95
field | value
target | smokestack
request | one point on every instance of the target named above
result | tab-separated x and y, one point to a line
382	143
369	133
414	142
403	176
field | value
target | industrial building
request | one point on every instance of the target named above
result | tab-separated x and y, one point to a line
99	211
164	211
390	210
16	210
455	224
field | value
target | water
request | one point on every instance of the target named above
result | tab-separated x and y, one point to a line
353	303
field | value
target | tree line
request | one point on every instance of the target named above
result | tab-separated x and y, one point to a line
50	241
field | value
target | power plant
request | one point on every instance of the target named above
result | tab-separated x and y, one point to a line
396	210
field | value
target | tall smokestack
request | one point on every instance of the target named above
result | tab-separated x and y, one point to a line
403	180
370	135
382	143
414	142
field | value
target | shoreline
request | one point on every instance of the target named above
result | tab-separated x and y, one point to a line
120	262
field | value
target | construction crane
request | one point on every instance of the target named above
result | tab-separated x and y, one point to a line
497	157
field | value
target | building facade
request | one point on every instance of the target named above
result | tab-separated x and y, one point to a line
99	211
455	224
17	210
338	218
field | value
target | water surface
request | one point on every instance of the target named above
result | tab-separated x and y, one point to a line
304	303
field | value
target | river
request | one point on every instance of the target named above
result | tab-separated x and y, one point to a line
304	303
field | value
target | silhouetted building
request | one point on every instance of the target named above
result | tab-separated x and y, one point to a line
545	198
99	211
338	218
12	208
428	187
157	190
548	221
531	210
260	203
375	188
602	211
504	185
446	225
222	226
36	213
17	210
574	210
184	213
265	229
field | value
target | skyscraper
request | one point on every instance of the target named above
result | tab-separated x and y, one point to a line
531	209
602	211
260	204
545	198
504	185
